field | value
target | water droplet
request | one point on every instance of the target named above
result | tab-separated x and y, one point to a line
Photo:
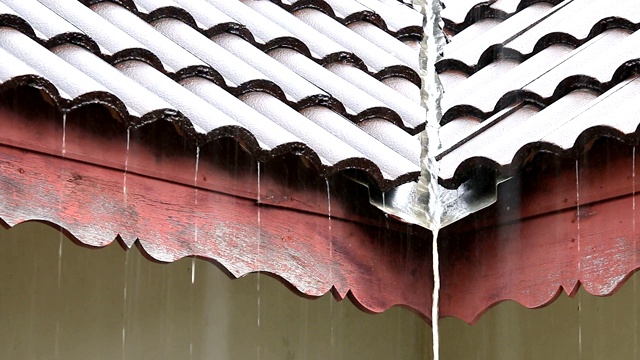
193	270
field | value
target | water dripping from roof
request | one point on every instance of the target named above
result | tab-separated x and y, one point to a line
124	303
195	243
61	238
191	313
56	350
579	259
64	133
431	48
258	261
331	338
635	251
193	270
196	225
60	261
126	167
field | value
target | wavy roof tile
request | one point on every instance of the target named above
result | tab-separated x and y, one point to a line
525	76
335	81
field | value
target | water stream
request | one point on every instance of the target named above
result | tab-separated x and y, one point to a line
124	303
126	167
258	262
61	238
635	251
331	338
579	259
431	49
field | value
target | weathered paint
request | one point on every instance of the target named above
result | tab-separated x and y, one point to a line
530	255
378	268
523	248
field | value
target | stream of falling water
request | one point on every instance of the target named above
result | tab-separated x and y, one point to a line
331	338
195	242
126	167
579	260
431	48
635	252
61	238
258	261
124	303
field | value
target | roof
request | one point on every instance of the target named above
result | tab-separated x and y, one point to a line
333	81
191	128
527	76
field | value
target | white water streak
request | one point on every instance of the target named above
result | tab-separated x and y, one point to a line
126	167
431	48
579	259
124	302
635	251
436	296
64	134
332	339
259	261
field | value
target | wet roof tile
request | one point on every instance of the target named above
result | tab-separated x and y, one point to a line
276	76
522	76
337	80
